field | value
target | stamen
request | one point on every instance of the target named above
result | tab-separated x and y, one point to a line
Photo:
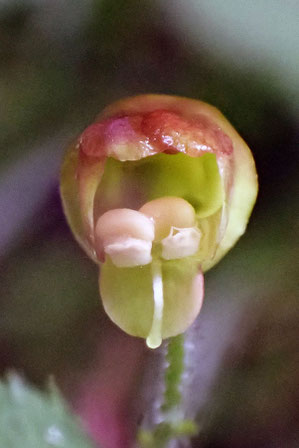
126	235
154	338
183	243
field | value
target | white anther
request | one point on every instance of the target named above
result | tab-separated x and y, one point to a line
181	243
129	252
126	236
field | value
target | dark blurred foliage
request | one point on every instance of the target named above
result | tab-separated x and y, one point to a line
60	63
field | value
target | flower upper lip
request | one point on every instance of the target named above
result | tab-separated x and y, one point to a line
153	132
136	136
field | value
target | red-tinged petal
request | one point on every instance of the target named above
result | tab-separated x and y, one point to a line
173	133
92	141
118	137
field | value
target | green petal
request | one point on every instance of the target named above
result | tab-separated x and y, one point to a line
127	295
77	194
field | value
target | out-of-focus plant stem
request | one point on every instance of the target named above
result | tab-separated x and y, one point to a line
172	426
173	373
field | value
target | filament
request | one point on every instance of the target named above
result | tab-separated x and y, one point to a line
154	338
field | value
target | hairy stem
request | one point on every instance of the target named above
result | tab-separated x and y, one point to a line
170	428
173	373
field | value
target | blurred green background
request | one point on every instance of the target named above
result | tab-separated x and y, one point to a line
61	62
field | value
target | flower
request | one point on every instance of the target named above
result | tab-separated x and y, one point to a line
156	191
